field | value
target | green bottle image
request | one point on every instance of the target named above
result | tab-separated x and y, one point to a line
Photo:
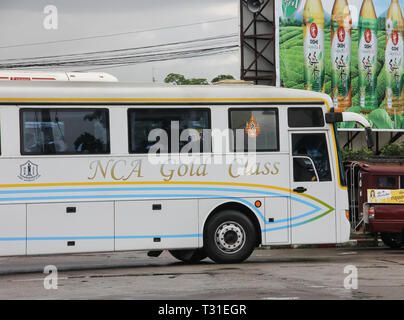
341	33
313	45
394	56
367	57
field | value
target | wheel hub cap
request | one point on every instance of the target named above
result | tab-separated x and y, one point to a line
230	237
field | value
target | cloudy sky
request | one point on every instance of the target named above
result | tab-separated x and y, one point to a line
87	26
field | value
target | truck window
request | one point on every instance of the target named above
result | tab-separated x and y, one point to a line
314	146
386	182
401	182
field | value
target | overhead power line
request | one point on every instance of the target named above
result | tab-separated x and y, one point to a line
162	52
114	34
132	59
161	46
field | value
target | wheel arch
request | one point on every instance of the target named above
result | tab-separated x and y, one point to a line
237	206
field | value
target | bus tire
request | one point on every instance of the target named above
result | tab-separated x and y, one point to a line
229	237
392	240
189	256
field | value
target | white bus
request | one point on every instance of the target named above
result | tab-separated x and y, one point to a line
77	173
24	75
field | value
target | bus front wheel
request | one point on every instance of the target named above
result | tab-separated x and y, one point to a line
189	256
392	240
229	237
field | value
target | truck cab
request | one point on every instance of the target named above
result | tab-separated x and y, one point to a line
377	199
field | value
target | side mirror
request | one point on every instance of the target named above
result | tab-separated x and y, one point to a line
334	117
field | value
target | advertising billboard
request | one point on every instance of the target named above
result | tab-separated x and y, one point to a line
352	50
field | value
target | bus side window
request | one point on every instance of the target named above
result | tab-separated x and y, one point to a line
313	146
154	130
254	130
48	131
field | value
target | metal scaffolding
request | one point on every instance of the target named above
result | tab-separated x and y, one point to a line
257	43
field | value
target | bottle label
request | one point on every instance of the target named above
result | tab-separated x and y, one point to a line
314	57
367	63
341	62
394	66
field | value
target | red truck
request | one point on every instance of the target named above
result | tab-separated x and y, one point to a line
376	196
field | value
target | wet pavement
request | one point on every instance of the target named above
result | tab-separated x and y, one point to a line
276	274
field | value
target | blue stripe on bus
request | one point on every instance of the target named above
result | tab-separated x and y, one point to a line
14	239
151	196
126	196
287	226
103	237
316	209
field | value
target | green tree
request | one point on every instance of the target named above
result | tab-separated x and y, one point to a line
395	149
179	79
356	155
175	78
197	81
222	77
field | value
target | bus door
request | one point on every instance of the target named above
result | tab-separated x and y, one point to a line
312	186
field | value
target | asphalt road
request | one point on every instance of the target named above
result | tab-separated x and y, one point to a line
276	274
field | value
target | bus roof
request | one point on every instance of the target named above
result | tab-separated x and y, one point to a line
32	75
23	92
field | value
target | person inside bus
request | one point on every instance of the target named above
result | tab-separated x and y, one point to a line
303	170
30	144
317	151
60	145
87	143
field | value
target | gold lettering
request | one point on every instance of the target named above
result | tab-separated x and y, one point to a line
276	168
231	172
113	176
136	169
184	172
267	166
98	165
255	169
201	171
250	169
168	176
192	171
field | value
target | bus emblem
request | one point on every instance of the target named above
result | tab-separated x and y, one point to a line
252	128
29	171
